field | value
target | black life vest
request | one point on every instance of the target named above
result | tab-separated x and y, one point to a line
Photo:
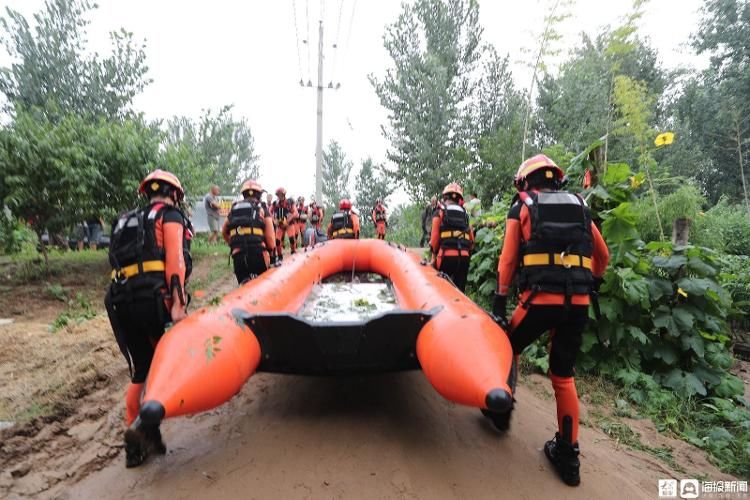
281	211
134	255
314	214
557	257
302	213
246	226
454	228
379	214
342	226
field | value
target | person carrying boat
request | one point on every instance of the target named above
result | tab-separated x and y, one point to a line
249	233
284	213
558	257
379	219
150	257
451	237
302	216
344	223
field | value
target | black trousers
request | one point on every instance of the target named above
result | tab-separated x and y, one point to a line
139	324
457	268
565	324
247	264
425	238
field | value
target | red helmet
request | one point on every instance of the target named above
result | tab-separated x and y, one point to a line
154	181
453	187
281	192
534	164
345	204
251	185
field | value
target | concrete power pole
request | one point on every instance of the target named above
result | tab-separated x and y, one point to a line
319	139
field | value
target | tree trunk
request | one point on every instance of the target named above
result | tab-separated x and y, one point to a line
680	232
598	160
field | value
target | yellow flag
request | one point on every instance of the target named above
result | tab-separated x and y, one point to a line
664	139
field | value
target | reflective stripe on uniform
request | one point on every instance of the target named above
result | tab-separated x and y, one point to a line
132	270
346	230
454	234
543	259
243	231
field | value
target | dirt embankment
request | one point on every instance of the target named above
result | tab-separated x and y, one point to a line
389	436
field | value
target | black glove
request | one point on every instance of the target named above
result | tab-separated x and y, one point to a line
597	284
499	305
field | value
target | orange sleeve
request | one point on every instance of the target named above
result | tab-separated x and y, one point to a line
506	266
435	234
174	260
225	231
600	254
355	225
270	233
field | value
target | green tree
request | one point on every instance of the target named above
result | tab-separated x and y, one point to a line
52	66
57	173
434	45
216	149
371	184
336	171
499	127
713	110
546	47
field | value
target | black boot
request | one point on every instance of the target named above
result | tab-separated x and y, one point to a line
501	421
153	435
564	456
136	447
140	442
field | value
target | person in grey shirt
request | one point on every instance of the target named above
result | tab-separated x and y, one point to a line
427	215
211	201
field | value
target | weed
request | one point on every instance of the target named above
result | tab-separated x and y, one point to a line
56	291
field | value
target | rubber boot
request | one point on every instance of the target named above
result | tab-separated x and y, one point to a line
140	442
564	455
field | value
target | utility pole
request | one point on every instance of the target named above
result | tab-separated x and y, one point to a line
319	139
319	135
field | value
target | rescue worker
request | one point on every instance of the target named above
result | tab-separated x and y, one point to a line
316	214
344	223
379	219
150	257
249	233
284	213
558	258
451	237
302	216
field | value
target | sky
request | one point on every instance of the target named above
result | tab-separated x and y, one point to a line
206	54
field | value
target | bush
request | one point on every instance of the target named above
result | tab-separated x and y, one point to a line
724	227
15	236
405	225
686	202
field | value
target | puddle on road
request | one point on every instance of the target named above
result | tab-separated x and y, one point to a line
339	299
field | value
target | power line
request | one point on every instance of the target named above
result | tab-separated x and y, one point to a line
307	41
296	36
349	33
336	41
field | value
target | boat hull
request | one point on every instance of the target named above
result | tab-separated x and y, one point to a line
204	360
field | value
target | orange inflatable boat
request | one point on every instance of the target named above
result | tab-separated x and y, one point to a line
204	360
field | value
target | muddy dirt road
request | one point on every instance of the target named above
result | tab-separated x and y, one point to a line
290	437
376	437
